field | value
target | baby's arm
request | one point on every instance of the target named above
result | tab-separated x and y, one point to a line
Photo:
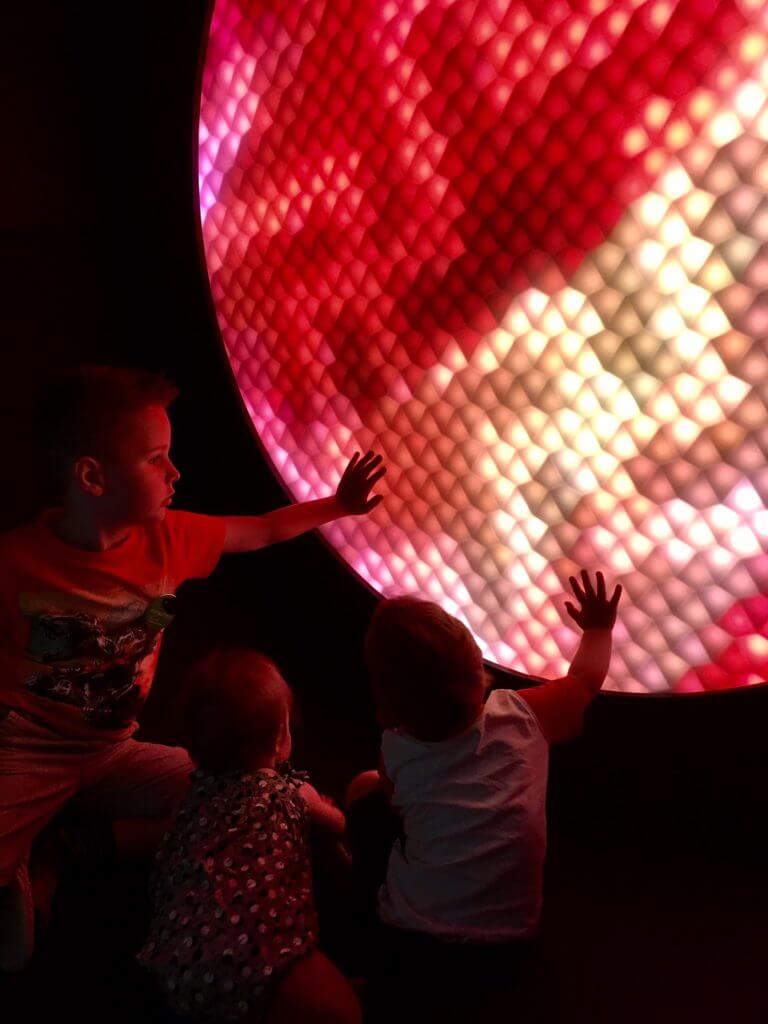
324	816
328	825
352	498
559	706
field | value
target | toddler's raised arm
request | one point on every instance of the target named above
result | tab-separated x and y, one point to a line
559	706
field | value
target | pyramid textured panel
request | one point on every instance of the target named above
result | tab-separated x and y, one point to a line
522	250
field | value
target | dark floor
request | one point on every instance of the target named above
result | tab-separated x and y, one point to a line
625	940
635	930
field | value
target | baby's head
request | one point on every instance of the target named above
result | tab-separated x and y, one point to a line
236	712
106	434
425	668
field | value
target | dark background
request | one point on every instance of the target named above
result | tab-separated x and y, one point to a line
659	813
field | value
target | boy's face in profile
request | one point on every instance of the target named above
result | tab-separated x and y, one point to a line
138	475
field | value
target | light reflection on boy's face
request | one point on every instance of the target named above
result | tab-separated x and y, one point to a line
139	476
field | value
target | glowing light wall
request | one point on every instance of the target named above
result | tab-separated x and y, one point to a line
522	250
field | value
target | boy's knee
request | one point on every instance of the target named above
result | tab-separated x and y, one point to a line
364	784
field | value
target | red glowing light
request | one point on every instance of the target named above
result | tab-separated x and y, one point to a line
521	250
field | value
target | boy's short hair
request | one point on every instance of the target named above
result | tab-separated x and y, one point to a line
426	670
83	410
233	708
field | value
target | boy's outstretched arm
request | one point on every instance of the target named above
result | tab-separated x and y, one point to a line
559	706
352	498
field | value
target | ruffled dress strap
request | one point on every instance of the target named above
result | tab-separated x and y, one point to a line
291	774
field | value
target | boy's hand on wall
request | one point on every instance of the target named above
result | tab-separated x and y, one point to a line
596	610
360	477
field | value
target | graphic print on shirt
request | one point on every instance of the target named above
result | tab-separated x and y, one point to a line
94	662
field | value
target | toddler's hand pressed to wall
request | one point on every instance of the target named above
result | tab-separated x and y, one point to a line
596	610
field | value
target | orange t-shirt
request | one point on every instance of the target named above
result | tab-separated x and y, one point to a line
76	652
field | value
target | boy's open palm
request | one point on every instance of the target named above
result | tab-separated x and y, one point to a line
596	610
359	479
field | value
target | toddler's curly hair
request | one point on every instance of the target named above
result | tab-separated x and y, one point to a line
425	668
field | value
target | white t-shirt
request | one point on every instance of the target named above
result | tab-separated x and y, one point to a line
474	819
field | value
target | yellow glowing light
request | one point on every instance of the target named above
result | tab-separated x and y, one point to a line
673	230
713	321
724	128
674	182
666	321
671	278
635	141
754	44
652	208
749	99
730	391
658	110
651	254
686	388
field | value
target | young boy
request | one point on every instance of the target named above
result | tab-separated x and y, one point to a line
83	603
467	774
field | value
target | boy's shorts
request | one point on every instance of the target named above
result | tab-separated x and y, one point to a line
41	772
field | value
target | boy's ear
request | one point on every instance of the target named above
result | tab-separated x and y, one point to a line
89	476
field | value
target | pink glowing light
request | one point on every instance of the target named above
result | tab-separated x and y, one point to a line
521	250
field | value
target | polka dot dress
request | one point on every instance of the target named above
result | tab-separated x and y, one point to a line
232	894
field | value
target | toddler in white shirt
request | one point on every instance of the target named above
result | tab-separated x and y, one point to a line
468	775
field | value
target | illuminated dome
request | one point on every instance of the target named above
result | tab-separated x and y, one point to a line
521	249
